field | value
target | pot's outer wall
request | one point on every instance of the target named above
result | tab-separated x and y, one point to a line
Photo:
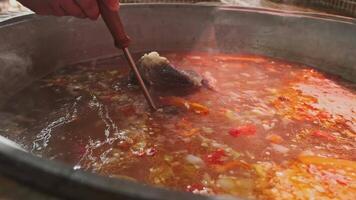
32	46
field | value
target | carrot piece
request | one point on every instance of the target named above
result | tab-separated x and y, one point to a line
198	108
276	139
328	162
180	102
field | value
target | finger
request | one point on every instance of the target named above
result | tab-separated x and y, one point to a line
90	8
72	9
56	8
112	4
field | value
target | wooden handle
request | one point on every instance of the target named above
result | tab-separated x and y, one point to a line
113	22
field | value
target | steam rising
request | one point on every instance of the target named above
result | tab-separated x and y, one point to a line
14	71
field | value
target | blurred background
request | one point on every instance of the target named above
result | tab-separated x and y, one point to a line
338	7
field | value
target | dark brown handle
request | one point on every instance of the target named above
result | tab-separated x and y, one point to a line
113	22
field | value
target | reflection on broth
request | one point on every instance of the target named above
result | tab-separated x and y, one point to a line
263	129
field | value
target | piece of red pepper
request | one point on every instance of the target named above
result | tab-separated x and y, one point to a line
324	135
247	129
216	158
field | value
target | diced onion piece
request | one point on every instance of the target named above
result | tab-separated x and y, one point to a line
262	169
307	153
194	160
231	115
226	183
235	186
207	130
280	149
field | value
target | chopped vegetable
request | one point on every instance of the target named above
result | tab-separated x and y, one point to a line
168	158
231	115
245	130
324	135
328	176
232	165
180	102
207	130
194	160
280	148
236	186
227	183
274	138
262	169
139	148
161	175
217	157
328	162
198	108
295	180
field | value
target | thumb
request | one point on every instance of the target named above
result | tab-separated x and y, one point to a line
112	4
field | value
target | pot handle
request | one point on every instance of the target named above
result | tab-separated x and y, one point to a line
113	22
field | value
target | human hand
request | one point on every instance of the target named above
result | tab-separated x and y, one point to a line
76	8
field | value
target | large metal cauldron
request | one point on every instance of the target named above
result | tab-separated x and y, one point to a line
32	46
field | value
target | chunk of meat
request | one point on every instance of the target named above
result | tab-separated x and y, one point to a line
158	72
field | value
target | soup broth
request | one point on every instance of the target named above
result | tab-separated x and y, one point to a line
262	129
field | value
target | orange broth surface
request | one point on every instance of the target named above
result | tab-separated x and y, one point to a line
264	129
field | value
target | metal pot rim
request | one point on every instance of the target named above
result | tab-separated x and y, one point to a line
28	168
28	15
